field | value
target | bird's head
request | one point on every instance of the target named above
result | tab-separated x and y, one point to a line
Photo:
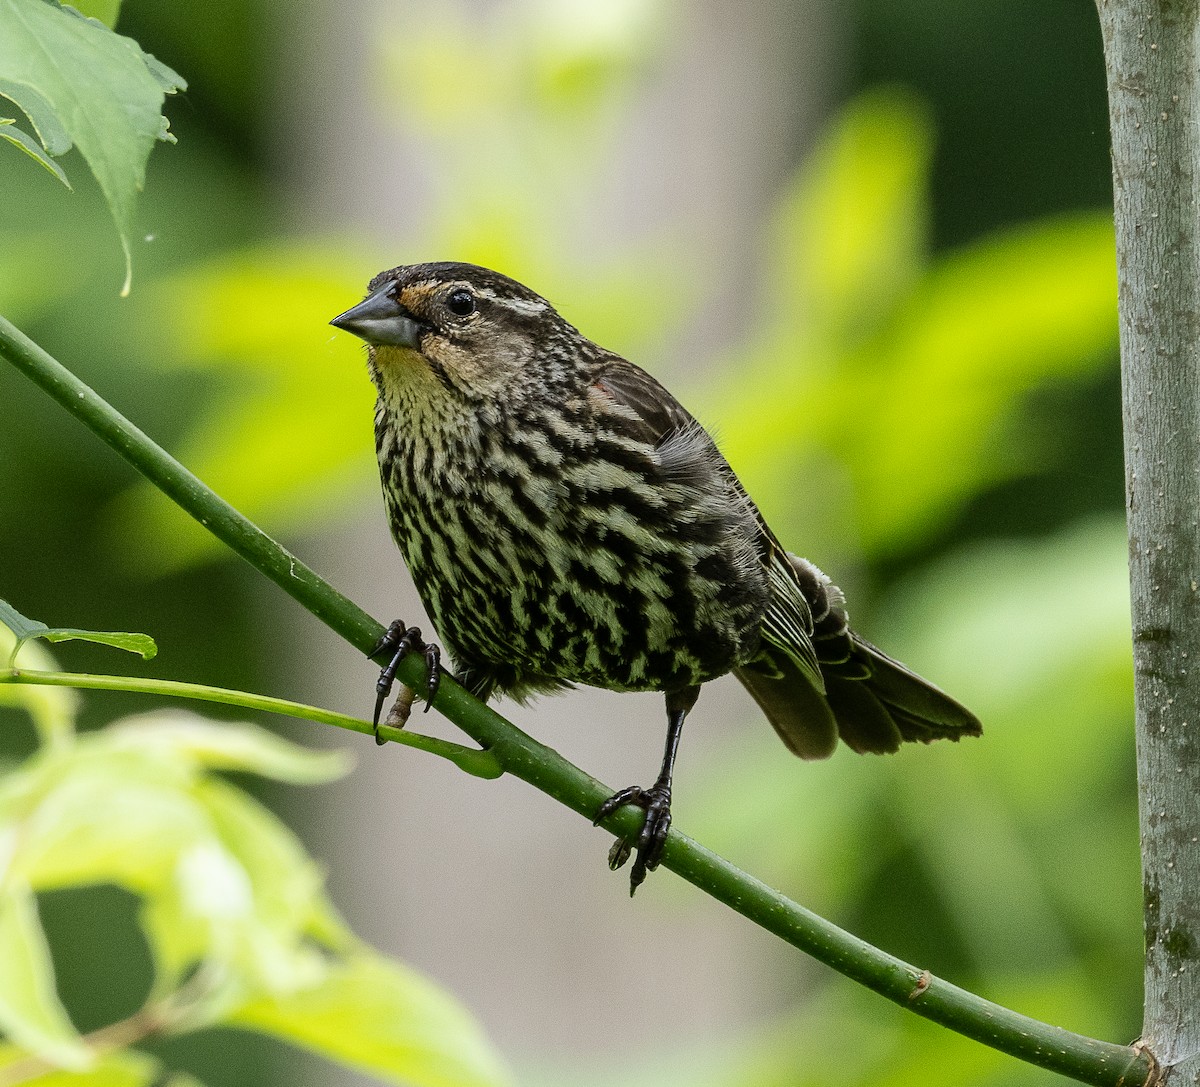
458	327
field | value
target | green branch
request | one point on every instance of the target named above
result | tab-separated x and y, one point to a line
1074	1055
480	764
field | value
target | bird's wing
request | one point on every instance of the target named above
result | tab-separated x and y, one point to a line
788	624
653	413
655	416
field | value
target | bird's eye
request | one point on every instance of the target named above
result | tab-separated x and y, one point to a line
461	302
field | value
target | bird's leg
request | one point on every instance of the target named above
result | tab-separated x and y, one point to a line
400	640
656	800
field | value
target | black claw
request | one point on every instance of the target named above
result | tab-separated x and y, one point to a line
401	640
617	800
433	680
651	839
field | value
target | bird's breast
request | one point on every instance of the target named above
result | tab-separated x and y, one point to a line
569	556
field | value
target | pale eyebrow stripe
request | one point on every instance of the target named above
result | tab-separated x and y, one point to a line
520	305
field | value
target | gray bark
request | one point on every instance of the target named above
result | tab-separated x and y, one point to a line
1154	104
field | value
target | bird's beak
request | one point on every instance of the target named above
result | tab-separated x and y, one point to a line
381	320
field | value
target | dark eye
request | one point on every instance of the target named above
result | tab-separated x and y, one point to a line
461	302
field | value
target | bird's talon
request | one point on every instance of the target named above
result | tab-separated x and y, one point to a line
380	698
388	638
651	839
400	640
617	800
433	679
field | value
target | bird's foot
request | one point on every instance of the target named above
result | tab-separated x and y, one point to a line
656	802
400	640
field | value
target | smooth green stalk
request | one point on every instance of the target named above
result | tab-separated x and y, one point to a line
1074	1055
480	764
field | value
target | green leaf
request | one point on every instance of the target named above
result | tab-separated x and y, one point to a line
149	818
26	629
223	882
961	353
22	626
41	115
226	887
203	916
21	139
898	381
1024	308
147	776
385	1019
30	1012
120	1068
80	83
130	642
178	734
243	899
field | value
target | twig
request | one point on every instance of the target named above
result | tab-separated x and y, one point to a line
481	764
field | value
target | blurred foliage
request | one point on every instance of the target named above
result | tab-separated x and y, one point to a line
1017	88
233	911
928	388
291	437
908	375
82	85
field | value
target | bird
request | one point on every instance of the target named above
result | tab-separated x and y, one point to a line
567	521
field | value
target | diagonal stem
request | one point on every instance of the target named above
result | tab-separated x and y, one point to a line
1085	1059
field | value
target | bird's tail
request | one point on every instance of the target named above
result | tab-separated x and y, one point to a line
874	703
856	691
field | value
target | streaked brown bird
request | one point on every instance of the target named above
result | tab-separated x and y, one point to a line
567	521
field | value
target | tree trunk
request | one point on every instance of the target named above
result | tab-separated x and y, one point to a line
1154	106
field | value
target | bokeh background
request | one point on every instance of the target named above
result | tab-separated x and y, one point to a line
869	244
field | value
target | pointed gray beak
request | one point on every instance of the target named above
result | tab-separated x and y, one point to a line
380	320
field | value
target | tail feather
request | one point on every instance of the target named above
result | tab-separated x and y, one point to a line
864	722
874	703
800	713
922	711
826	682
